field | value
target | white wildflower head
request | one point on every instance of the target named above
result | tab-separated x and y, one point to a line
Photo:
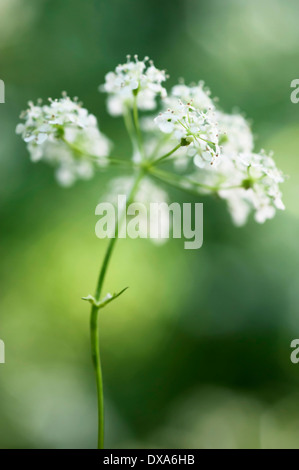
249	182
193	128
64	134
135	79
262	184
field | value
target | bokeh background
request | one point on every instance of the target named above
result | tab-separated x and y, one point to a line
196	354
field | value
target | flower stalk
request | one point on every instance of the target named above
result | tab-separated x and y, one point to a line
218	146
94	319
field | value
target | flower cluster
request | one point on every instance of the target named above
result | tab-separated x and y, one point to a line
213	152
197	94
139	80
258	180
222	148
248	181
64	134
193	127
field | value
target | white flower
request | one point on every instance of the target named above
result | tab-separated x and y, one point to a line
130	80
238	204
248	182
195	129
236	135
195	94
64	134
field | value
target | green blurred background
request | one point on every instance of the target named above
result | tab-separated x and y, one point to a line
196	354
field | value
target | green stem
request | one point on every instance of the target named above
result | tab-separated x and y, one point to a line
165	178
160	159
163	140
176	180
112	161
115	161
96	360
137	126
94	317
130	126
